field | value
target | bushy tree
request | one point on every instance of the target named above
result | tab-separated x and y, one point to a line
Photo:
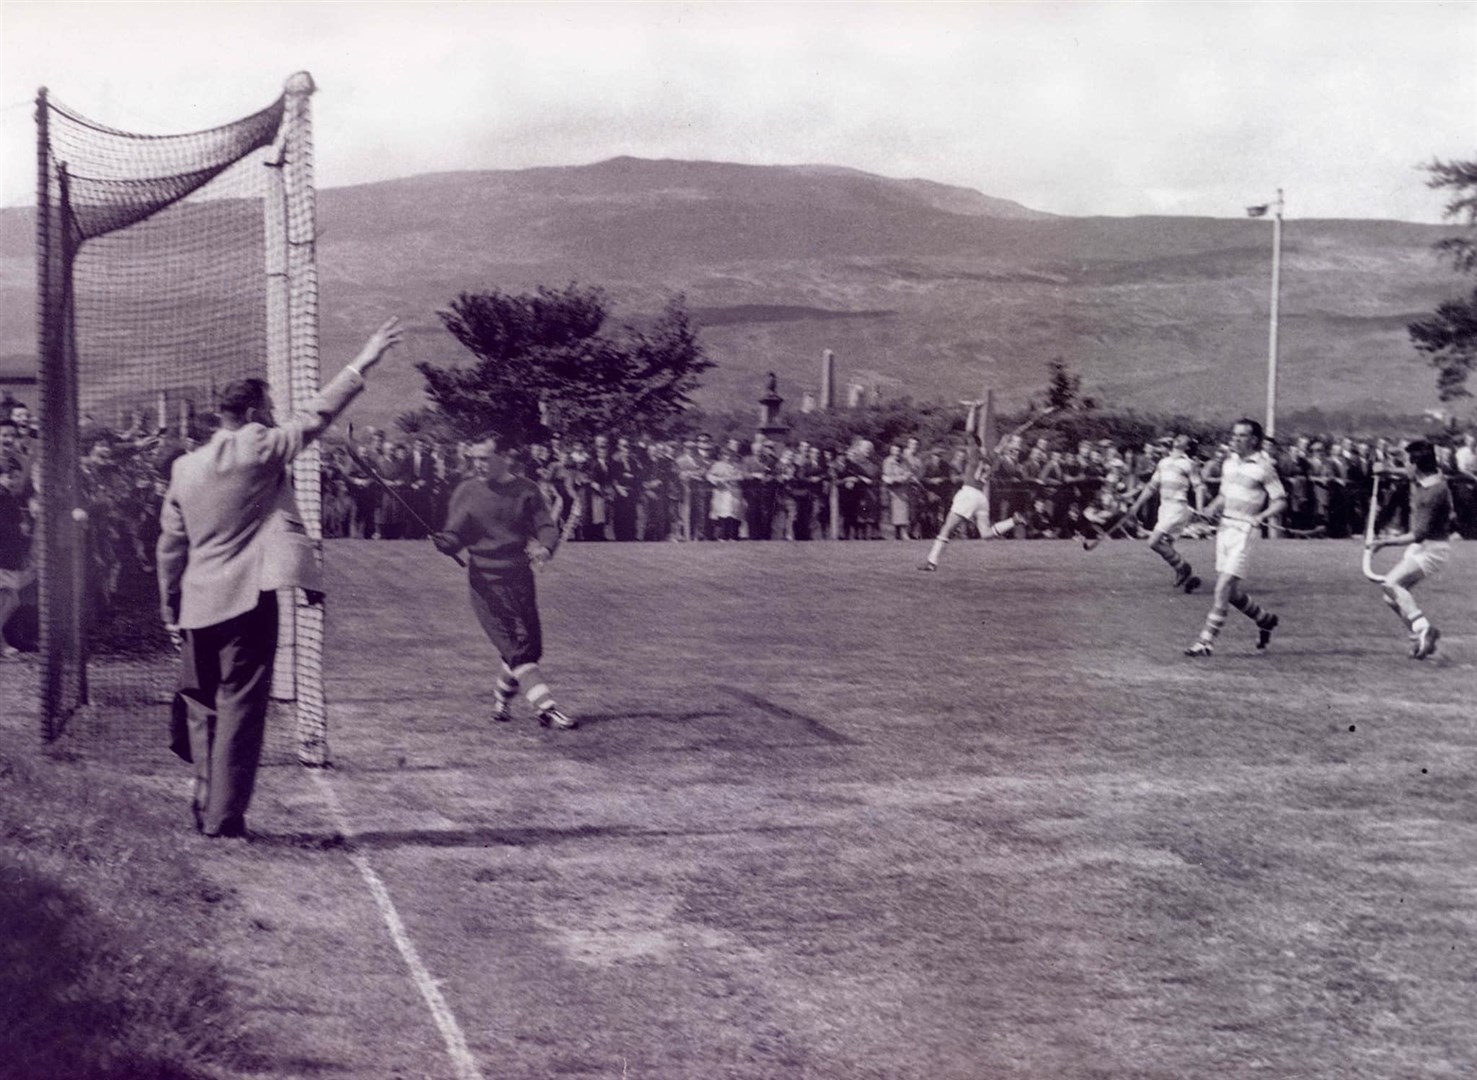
1063	388
547	360
1448	336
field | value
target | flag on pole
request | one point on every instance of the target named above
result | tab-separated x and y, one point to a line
1258	211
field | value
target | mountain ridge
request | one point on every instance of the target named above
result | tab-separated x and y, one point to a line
920	288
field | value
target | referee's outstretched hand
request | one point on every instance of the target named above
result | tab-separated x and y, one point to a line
380	342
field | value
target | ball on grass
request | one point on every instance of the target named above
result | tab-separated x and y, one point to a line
79	515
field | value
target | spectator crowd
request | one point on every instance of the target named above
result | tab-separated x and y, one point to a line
621	488
617	488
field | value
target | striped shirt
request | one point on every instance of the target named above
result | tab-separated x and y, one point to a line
1248	485
1175	475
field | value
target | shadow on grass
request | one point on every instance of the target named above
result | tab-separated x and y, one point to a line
385	840
84	999
811	725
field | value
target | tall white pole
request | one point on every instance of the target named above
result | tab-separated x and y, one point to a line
1272	332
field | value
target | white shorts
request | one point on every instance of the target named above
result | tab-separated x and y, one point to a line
1428	556
970	503
1232	541
1173	517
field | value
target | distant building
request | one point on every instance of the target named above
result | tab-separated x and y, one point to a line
18	383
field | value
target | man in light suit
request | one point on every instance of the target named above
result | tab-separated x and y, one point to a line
230	534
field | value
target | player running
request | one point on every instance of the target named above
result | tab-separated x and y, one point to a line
503	523
1174	478
1428	545
1250	495
970	502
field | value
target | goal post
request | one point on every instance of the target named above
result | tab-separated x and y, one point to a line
167	266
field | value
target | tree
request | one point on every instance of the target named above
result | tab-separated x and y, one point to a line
1064	390
1448	336
546	361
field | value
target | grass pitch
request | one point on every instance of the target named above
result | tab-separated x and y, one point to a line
830	817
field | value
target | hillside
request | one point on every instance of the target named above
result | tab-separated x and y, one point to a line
918	287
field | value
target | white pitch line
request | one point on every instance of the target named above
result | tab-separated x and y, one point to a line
451	1031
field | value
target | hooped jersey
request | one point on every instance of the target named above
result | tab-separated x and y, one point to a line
1175	476
1248	485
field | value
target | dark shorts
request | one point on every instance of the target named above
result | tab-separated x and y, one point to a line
506	606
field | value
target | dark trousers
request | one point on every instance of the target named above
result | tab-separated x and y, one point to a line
506	606
225	683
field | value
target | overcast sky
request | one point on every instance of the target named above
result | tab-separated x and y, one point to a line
1087	108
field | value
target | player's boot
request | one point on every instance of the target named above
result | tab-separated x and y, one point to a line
1426	642
929	566
1191	584
502	708
1264	627
1201	648
552	717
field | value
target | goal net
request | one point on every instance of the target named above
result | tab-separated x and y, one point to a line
167	266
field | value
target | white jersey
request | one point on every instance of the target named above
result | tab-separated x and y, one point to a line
1248	485
1175	475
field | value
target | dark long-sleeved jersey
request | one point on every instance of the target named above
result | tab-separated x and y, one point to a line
1430	509
495	520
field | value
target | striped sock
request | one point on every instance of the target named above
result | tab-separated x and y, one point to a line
1250	608
538	693
1176	561
1215	622
507	684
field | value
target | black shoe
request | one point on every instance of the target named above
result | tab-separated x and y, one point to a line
1201	648
1191	584
930	567
1264	631
1425	644
554	718
502	709
233	828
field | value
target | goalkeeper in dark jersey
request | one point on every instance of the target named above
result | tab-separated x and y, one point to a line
503	523
1428	544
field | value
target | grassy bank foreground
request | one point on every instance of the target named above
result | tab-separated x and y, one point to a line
105	931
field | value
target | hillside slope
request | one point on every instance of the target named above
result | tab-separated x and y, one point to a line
919	288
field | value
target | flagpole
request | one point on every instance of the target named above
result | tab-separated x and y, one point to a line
1272	331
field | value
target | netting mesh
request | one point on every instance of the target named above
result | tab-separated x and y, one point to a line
169	266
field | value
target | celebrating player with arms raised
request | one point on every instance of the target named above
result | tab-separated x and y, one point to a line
1250	495
1430	527
971	501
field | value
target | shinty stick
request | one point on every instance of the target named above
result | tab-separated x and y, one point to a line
368	468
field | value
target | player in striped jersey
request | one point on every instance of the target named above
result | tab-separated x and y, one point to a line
1174	478
1428	544
970	502
1250	496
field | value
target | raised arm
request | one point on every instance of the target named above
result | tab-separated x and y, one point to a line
283	443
